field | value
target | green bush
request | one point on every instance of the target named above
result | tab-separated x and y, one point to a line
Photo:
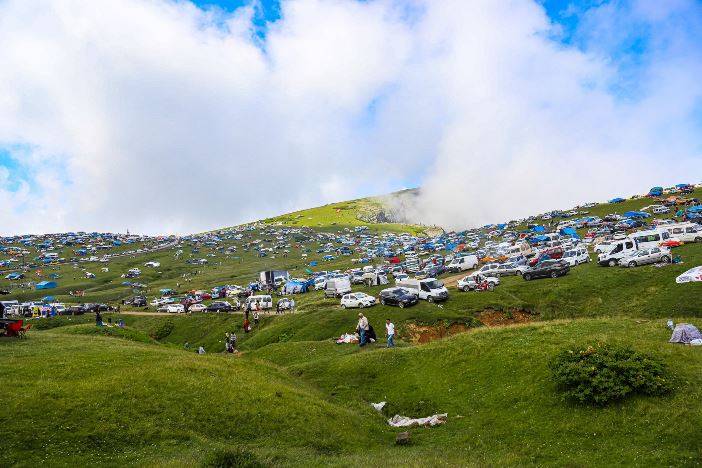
602	374
164	330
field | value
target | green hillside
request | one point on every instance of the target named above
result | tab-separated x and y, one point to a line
77	394
73	399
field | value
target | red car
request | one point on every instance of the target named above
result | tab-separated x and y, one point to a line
670	243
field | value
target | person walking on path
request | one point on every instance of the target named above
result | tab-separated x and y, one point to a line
362	329
390	330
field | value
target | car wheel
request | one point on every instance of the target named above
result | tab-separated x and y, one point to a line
491	287
343	306
402	305
430	299
527	277
554	274
465	289
382	301
698	239
666	259
361	305
632	264
612	263
519	273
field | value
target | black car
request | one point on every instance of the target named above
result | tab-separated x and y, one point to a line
136	301
219	307
399	297
77	309
547	269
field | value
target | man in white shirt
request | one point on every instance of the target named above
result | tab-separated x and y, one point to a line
390	329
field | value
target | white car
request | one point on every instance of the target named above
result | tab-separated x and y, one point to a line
468	283
175	308
646	256
357	299
197	307
576	256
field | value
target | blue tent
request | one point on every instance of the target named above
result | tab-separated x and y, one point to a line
569	231
313	264
695	209
295	286
636	214
616	200
48	299
655	192
46	285
538	229
536	239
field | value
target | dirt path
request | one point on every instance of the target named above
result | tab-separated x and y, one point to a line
453	279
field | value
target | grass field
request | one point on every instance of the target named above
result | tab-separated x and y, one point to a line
74	397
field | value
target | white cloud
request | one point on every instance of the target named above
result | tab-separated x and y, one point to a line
157	116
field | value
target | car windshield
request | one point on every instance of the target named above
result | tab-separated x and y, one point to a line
436	284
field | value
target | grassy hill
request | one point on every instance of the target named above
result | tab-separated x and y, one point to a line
77	394
75	399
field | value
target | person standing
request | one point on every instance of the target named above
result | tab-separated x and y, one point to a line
98	318
390	330
255	317
362	329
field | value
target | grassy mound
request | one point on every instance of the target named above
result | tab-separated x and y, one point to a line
81	400
503	407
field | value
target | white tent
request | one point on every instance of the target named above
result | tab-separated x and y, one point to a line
694	274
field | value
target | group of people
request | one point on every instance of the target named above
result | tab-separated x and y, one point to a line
367	333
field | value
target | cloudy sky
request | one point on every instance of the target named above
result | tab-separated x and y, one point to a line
165	116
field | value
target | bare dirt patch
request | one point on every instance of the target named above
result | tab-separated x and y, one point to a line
496	318
415	333
426	333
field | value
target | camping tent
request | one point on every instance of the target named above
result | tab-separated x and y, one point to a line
569	231
616	200
685	333
655	192
693	274
636	214
46	285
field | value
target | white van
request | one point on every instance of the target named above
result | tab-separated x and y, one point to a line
649	239
575	257
467	262
264	301
429	289
337	287
685	232
615	251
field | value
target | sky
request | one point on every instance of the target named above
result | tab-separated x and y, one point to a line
178	116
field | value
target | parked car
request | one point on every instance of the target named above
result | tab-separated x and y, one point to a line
546	269
357	299
76	309
646	256
220	306
576	256
469	284
400	297
489	269
175	308
510	269
197	308
429	289
464	263
136	301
